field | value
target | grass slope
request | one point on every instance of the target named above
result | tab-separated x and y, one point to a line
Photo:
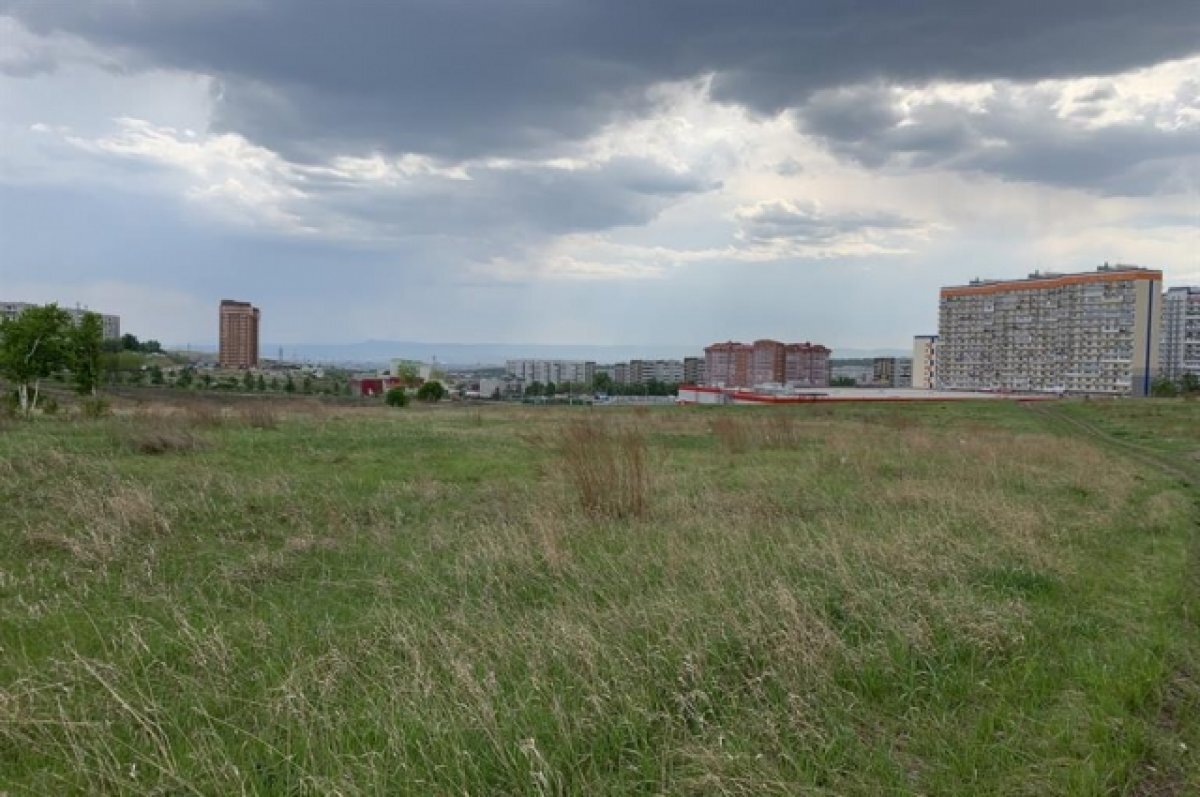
852	600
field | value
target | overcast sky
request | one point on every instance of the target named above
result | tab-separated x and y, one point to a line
610	171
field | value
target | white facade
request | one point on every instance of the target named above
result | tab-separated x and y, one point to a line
111	324
1180	333
924	362
577	372
1091	333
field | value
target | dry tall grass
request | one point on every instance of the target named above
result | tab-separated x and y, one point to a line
607	468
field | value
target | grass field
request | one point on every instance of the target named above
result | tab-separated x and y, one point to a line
291	599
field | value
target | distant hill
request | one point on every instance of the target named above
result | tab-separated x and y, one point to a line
374	352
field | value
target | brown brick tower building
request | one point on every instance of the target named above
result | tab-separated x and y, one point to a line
239	334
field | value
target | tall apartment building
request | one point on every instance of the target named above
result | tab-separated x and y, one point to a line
693	370
1096	332
765	362
806	365
924	362
110	324
728	364
239	334
560	372
1180	349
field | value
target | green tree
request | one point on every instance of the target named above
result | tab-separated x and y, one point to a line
33	346
87	348
551	390
431	391
185	377
1190	383
602	383
396	397
156	375
1163	388
533	389
150	347
306	385
247	381
289	385
260	384
206	380
274	384
130	342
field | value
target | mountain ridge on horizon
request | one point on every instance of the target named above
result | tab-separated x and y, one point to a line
375	351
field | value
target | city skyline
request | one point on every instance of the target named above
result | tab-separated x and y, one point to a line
523	175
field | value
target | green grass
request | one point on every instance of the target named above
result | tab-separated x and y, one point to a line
942	599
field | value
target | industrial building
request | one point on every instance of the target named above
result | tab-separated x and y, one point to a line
1180	348
1090	333
110	324
239	334
924	362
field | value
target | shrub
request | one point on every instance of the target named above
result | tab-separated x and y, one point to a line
431	391
48	405
159	437
396	397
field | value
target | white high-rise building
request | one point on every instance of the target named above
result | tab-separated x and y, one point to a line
110	324
1180	333
1096	332
924	362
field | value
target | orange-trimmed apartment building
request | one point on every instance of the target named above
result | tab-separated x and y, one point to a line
1090	333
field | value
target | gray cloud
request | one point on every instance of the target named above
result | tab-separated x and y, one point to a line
1011	135
807	224
308	77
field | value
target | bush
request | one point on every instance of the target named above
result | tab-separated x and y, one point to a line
93	408
48	405
396	397
431	391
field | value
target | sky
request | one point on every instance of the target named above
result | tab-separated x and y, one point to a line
610	172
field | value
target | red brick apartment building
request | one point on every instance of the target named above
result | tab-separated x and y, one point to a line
239	335
733	364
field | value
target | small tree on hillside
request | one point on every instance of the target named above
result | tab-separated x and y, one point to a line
87	349
33	346
431	391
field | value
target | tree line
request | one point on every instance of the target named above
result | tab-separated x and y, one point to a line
42	341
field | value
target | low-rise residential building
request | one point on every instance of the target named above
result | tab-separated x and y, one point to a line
1180	347
576	372
643	372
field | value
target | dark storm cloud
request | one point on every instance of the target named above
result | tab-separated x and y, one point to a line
307	77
